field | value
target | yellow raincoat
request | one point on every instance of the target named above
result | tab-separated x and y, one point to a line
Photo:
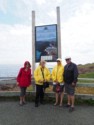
57	73
39	77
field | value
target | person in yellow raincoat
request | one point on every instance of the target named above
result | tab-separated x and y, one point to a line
58	82
41	75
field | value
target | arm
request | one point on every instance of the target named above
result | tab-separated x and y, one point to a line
19	75
30	76
61	78
53	75
37	76
48	75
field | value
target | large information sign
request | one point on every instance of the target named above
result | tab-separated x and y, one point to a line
46	44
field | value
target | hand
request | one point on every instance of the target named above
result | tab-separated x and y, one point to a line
55	81
40	81
44	81
73	84
17	83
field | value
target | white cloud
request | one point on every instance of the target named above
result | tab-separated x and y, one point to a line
52	14
40	2
15	44
78	35
3	6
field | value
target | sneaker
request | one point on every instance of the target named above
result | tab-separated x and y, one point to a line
67	106
24	103
55	104
71	109
60	105
21	104
42	102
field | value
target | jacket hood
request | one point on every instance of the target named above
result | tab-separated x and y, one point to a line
27	62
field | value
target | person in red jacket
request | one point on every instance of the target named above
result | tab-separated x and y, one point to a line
24	80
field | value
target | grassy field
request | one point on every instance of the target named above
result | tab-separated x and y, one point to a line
87	75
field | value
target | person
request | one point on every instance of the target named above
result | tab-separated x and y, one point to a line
23	81
70	79
58	81
41	75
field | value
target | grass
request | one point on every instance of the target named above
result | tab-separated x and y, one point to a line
87	75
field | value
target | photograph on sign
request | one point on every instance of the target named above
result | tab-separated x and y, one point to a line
46	45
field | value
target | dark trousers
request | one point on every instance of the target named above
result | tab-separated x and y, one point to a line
23	91
39	94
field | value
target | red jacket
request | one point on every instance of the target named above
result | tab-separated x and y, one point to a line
24	77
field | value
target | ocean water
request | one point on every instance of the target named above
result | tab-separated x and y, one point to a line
9	70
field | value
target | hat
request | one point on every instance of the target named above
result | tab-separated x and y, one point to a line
59	59
68	57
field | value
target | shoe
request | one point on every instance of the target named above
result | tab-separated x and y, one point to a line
42	103
21	104
24	103
61	105
55	104
36	105
71	109
67	106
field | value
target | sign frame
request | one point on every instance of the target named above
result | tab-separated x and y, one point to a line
56	41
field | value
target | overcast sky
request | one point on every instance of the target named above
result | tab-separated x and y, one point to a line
77	26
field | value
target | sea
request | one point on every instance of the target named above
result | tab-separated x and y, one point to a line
9	71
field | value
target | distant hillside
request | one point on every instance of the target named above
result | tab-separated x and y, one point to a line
86	71
87	68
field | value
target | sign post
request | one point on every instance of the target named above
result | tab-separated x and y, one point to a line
59	32
33	42
46	41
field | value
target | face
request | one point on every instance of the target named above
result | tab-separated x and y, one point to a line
27	65
68	61
58	62
43	64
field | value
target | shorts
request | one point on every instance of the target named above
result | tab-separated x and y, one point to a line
61	88
23	91
69	89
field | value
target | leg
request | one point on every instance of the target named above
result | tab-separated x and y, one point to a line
57	98
37	95
72	98
72	101
61	98
41	94
21	96
69	99
24	100
61	94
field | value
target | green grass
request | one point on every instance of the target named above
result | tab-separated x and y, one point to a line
87	75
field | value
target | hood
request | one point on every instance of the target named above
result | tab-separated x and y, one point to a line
26	63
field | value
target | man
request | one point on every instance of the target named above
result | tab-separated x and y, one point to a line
70	79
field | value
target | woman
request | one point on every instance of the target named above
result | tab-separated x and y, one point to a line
58	83
41	75
24	80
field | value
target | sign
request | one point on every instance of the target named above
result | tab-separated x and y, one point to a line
46	44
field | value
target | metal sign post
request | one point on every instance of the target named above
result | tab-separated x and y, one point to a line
59	32
33	42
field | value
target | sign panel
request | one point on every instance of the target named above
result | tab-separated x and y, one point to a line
46	44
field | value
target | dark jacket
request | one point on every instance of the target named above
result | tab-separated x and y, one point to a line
70	73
